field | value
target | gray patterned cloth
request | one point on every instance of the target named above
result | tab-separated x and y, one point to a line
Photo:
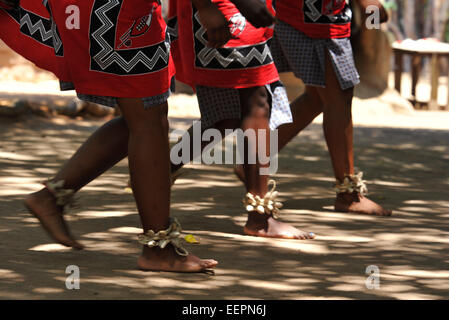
148	102
217	104
293	51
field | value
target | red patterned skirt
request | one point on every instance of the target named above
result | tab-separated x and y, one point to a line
109	48
245	61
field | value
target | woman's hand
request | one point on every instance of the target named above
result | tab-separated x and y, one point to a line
212	19
256	12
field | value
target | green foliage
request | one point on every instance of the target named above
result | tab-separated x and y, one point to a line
390	5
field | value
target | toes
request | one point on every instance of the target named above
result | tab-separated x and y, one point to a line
68	242
305	236
208	263
77	246
211	263
383	212
311	235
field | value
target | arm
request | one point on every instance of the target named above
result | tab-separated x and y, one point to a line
255	11
366	3
215	23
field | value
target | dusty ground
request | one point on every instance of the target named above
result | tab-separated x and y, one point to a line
407	170
404	154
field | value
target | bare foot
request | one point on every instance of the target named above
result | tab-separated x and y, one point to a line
240	173
156	259
266	226
356	203
42	205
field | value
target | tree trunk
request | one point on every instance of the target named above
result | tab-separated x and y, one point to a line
443	19
409	19
372	53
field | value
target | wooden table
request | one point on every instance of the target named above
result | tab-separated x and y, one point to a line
417	50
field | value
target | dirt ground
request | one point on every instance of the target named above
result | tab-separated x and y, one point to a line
407	170
404	154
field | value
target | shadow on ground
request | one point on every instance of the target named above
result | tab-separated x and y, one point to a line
407	170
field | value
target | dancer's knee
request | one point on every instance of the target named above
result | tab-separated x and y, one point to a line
259	106
260	111
255	103
144	120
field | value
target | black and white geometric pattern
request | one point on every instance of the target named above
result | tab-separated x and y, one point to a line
218	104
242	57
172	28
112	102
294	51
321	12
148	102
105	58
57	42
33	26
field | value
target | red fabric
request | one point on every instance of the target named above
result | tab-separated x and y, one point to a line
185	50
80	50
316	18
43	55
112	53
4	6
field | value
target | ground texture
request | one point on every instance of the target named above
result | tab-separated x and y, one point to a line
407	170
